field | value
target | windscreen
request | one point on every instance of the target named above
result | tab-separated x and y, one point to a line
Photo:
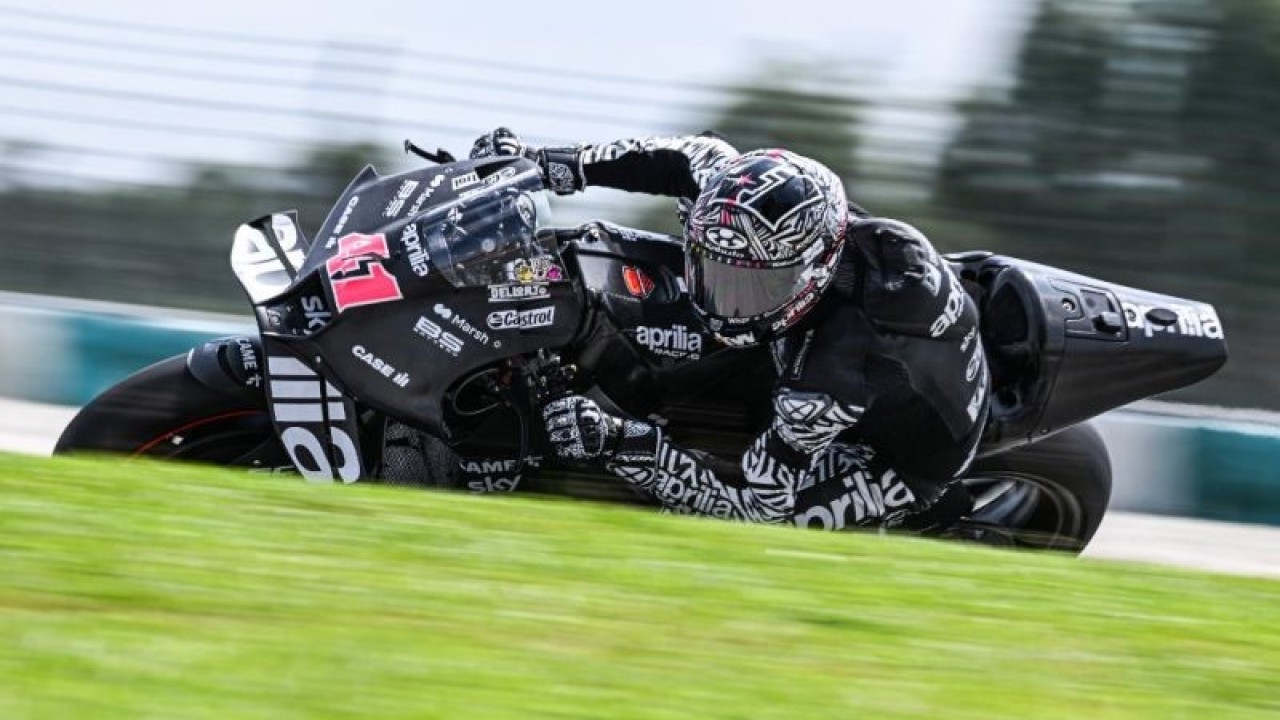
489	234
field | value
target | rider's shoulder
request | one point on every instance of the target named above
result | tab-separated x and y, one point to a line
887	236
886	248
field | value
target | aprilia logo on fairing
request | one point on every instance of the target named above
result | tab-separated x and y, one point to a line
517	291
382	367
677	341
1193	320
442	339
300	398
522	319
413	248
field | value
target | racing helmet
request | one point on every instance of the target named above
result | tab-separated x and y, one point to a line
761	244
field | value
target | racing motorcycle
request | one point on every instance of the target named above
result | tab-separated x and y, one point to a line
413	340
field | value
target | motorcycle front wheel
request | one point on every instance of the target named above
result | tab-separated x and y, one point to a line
163	411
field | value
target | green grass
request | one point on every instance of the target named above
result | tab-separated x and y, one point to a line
134	590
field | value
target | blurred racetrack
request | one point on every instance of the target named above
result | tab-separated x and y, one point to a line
1222	547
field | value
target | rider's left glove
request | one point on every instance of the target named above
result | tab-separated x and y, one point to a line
560	166
501	142
579	430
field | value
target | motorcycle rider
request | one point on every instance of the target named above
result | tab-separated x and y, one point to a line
881	375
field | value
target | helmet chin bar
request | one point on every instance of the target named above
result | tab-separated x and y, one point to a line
739	332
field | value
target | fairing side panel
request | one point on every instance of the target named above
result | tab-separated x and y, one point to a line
1066	347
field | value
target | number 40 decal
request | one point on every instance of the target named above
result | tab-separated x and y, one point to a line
356	273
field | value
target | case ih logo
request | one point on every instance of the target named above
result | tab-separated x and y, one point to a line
356	273
638	283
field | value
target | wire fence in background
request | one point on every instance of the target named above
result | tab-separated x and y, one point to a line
131	150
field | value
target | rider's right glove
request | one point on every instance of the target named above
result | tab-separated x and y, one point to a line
579	430
561	169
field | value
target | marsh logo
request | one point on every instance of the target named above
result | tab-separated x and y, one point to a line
422	198
461	323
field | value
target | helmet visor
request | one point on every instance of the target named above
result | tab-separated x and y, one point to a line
734	291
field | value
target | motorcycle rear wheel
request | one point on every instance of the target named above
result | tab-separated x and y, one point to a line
1050	495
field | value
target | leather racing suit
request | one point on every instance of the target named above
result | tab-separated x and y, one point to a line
882	387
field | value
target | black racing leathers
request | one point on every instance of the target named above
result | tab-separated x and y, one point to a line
884	381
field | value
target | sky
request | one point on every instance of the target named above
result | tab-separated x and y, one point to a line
119	86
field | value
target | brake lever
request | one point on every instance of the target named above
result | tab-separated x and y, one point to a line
546	377
439	157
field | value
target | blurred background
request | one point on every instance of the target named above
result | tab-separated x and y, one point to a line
1134	140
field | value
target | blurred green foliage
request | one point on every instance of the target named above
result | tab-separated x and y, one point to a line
1140	143
1134	140
163	244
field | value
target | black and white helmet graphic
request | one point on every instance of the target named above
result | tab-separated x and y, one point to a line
761	244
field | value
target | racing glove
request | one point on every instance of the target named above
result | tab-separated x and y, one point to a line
561	169
500	143
579	430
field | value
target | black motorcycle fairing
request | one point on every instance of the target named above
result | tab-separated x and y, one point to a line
634	355
374	203
267	252
317	423
646	350
230	365
1064	347
419	278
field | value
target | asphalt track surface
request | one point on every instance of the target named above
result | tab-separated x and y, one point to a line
1221	547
